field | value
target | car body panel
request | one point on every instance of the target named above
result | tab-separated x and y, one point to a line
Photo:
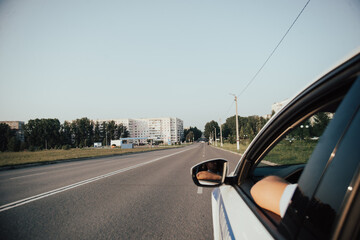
228	207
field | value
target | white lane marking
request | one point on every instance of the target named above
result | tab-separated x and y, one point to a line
204	150
29	175
63	189
200	190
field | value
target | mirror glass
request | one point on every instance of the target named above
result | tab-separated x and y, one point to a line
210	173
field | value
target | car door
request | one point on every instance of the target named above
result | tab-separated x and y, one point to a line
235	214
328	204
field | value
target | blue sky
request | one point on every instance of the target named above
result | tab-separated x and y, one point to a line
173	58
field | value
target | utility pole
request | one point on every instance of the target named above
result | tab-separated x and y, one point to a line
237	125
215	137
221	140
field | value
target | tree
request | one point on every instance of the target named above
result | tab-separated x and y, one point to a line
190	136
6	134
103	133
97	133
195	131
321	120
42	133
82	132
248	127
225	130
66	134
52	132
210	127
121	132
110	129
14	144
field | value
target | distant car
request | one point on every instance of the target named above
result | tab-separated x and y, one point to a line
326	202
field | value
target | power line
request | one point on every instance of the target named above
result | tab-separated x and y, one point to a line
232	103
272	53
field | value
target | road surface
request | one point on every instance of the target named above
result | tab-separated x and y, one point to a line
138	196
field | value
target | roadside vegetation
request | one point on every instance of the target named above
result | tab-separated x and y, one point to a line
291	152
49	140
232	147
27	157
39	134
295	148
285	152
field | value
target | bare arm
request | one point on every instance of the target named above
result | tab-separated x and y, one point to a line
268	191
205	175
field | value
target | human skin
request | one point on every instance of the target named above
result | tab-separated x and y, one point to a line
268	191
205	175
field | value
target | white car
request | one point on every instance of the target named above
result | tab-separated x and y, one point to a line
323	159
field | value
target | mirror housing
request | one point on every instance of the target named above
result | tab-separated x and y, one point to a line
210	173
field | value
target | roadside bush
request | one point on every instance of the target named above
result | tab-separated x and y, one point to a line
14	145
32	149
66	147
23	146
232	139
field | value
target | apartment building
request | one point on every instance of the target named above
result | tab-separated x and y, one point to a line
168	130
279	105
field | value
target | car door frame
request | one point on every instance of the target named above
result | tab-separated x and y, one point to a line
336	83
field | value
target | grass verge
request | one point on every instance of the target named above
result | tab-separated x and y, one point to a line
232	147
19	158
291	152
283	153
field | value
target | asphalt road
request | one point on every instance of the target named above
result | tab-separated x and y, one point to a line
138	196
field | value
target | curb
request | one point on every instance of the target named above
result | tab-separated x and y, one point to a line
263	161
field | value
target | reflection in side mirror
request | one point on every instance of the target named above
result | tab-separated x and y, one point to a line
210	173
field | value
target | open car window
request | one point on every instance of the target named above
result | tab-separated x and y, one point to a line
289	156
297	146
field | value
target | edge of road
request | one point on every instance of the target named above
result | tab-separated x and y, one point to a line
226	150
263	161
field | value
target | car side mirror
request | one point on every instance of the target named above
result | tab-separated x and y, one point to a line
210	173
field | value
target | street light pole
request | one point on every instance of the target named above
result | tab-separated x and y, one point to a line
237	125
221	140
215	137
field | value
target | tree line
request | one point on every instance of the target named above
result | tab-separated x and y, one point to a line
51	134
250	126
8	139
192	134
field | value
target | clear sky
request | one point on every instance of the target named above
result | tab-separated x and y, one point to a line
172	58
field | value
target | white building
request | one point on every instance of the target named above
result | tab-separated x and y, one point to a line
169	130
279	105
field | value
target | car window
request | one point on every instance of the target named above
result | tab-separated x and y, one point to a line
323	185
335	184
289	156
330	198
297	146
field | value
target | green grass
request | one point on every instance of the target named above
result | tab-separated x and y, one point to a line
232	147
16	158
283	153
291	153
